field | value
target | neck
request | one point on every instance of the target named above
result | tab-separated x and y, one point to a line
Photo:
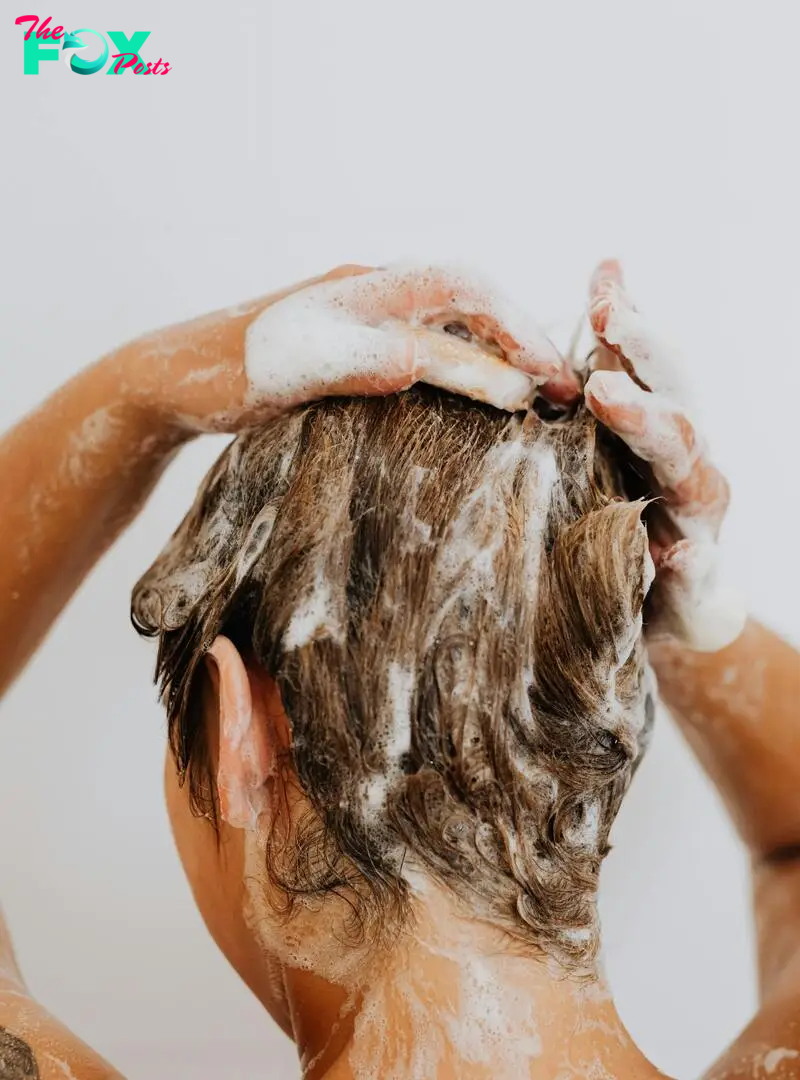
451	1002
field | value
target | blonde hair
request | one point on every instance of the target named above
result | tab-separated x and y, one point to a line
450	601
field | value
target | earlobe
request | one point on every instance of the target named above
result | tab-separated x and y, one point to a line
245	754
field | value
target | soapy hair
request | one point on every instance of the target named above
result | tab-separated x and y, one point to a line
450	601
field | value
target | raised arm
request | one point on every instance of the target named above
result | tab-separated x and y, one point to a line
76	471
737	706
738	710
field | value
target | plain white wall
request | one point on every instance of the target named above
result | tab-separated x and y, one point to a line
528	138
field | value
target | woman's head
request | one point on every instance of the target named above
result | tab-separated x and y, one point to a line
441	606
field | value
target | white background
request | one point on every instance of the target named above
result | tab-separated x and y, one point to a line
528	138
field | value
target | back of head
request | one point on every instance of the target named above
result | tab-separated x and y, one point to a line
449	600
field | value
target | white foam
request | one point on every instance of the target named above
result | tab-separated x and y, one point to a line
400	693
705	613
708	613
587	833
656	360
376	792
659	441
313	615
466	564
774	1058
89	440
334	335
395	739
494	382
61	1065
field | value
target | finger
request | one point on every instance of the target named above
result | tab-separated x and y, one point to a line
424	294
563	388
318	342
558	383
648	358
451	364
605	282
383	362
695	605
659	433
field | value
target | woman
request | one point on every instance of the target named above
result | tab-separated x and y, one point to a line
411	721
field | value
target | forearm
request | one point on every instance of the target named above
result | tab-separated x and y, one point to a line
76	470
74	473
738	710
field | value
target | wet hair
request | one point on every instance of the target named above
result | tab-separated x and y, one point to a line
450	602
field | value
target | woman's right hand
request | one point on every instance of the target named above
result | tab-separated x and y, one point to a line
356	330
635	391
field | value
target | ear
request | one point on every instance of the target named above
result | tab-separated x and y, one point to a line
247	737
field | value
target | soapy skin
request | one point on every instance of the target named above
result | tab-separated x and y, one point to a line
640	404
353	331
379	329
78	469
76	472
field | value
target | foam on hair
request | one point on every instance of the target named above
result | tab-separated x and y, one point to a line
450	600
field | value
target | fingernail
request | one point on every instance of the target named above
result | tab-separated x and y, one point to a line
608	268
